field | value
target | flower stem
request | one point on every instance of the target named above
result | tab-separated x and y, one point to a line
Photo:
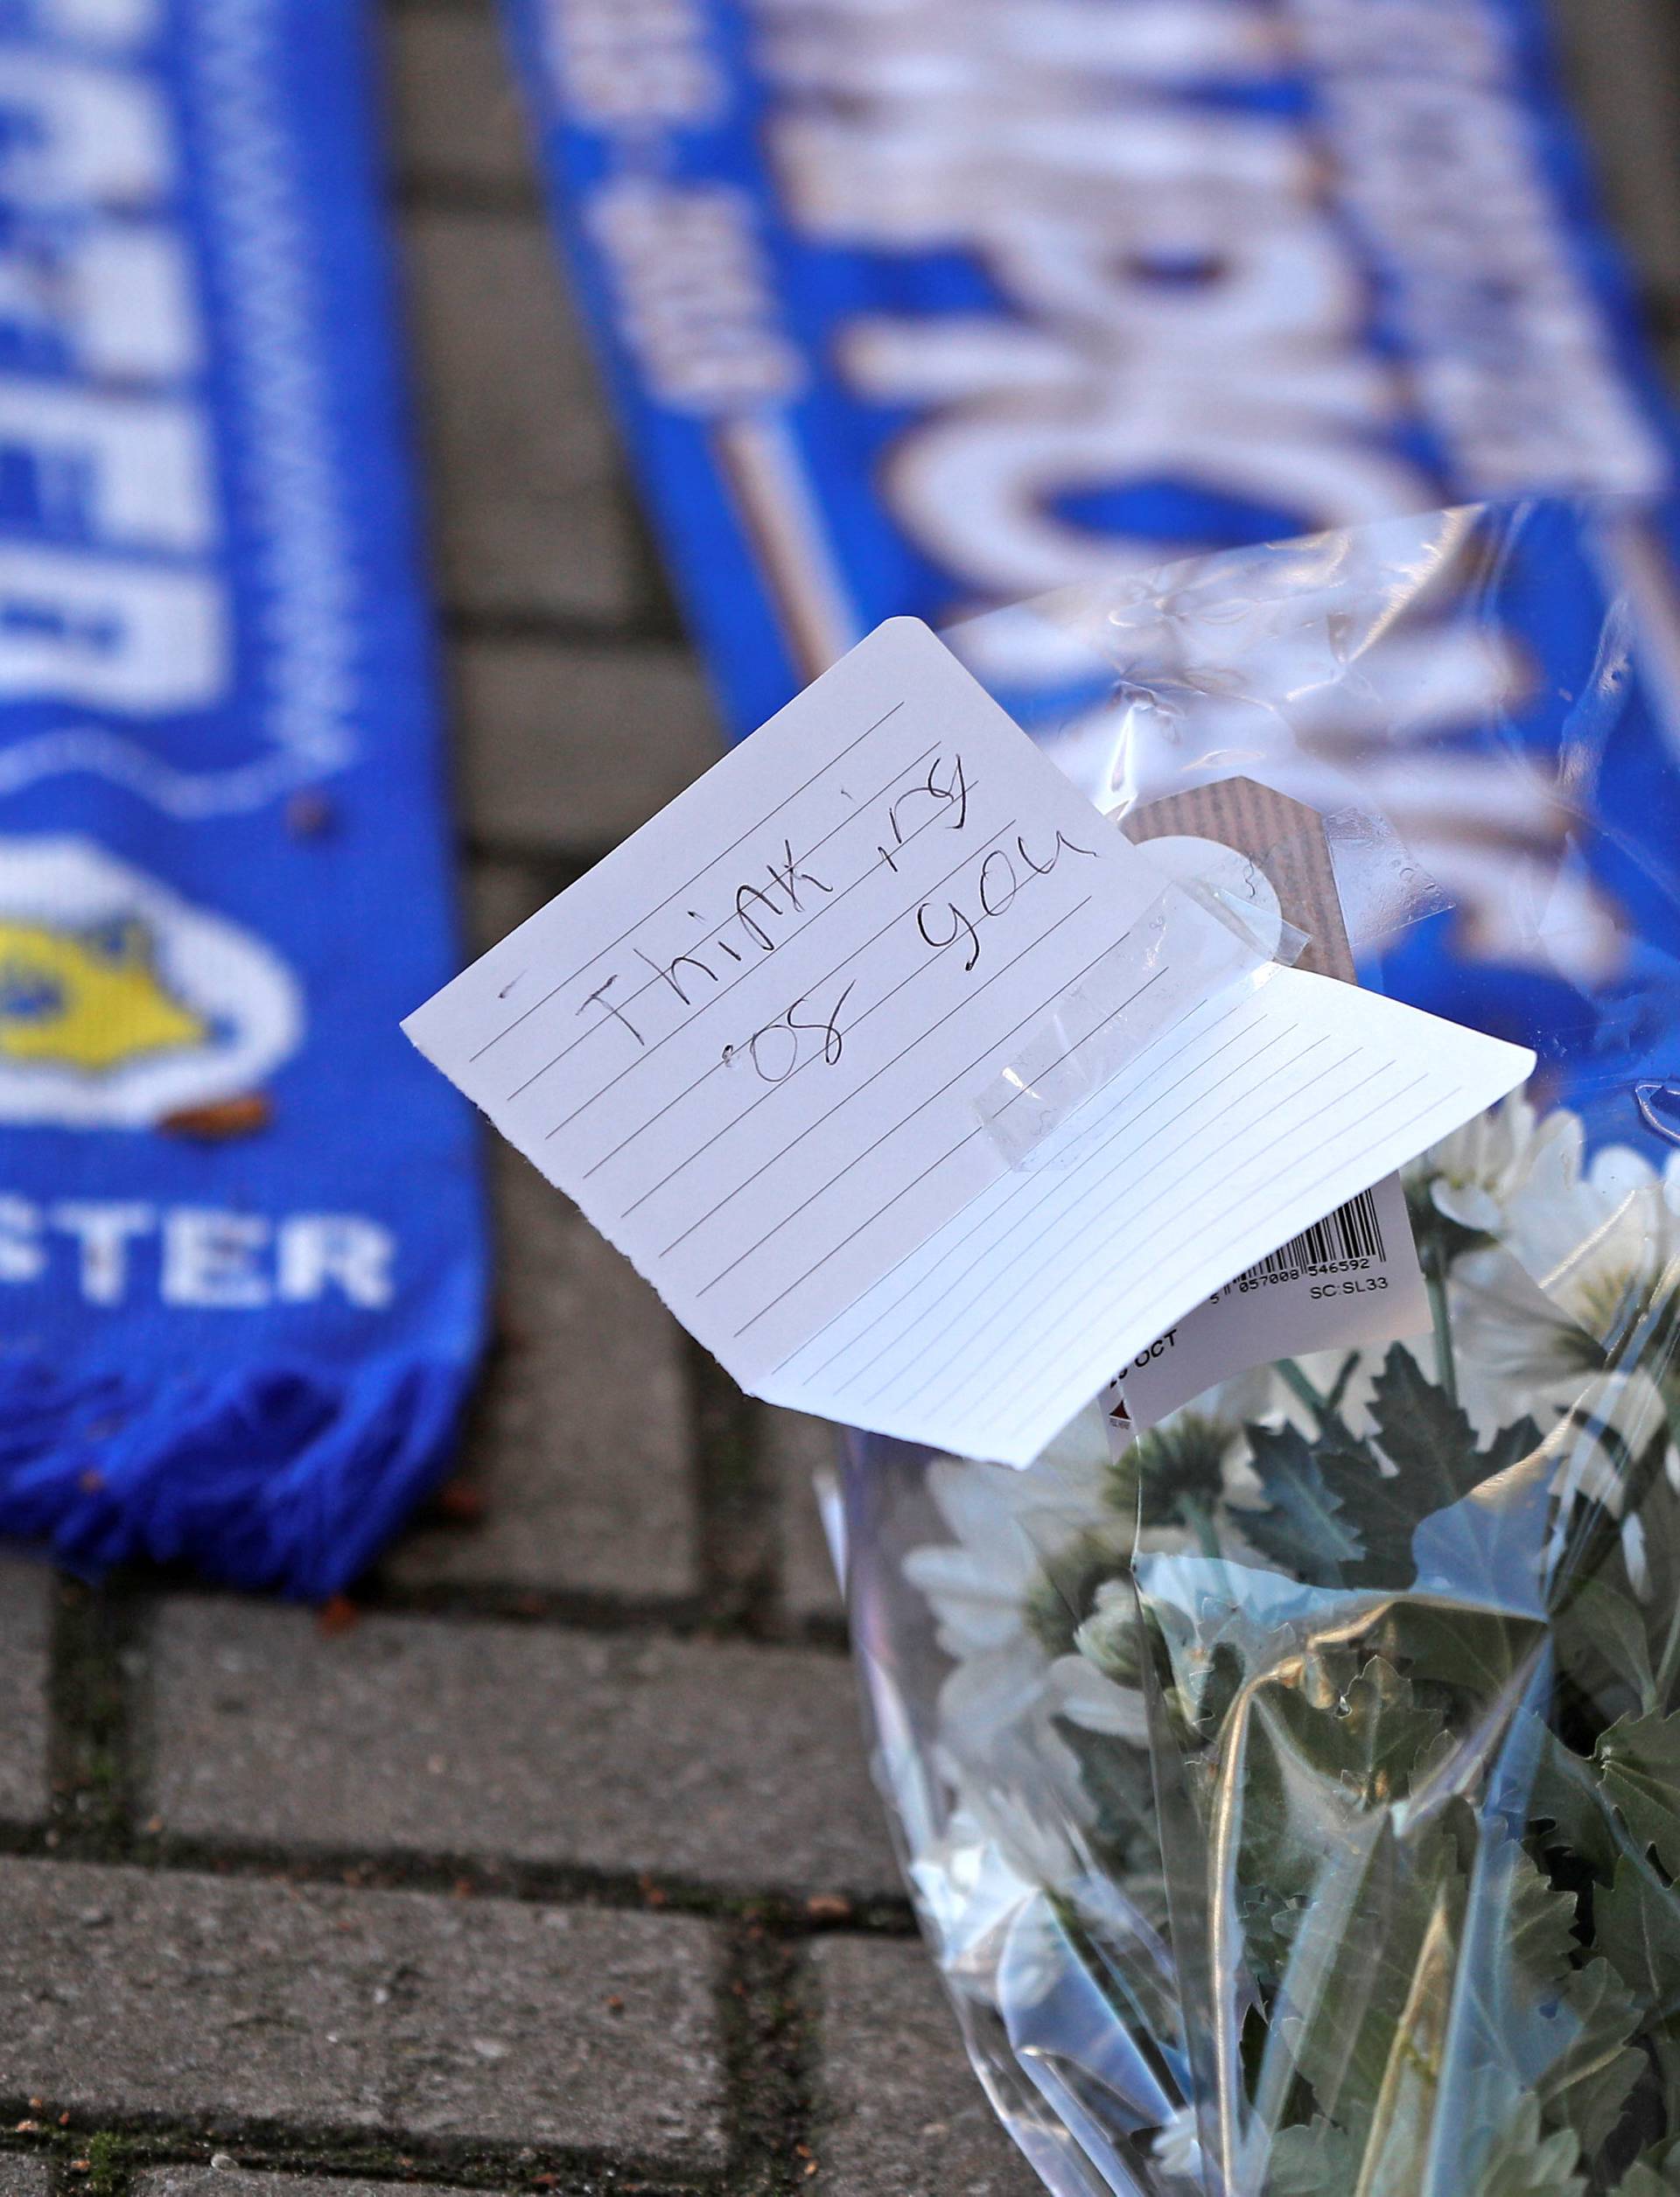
1195	1515
1333	1402
1293	1378
1445	1364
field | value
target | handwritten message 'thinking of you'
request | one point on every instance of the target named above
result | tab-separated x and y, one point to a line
753	1043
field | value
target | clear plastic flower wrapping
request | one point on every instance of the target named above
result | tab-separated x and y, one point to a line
1291	1800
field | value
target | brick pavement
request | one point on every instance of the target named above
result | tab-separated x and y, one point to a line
710	1763
25	1620
194	2000
506	1888
897	2109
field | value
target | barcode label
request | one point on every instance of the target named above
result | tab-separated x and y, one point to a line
1352	1231
1351	1281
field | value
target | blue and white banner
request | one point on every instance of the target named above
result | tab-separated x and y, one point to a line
941	304
240	1237
935	305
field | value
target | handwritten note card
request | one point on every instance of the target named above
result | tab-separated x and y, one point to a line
751	1044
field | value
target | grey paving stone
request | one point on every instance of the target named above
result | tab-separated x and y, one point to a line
579	1444
800	1449
233	2182
900	2111
734	1765
529	514
216	2000
568	749
1668	358
229	2182
500	891
1623	65
455	115
24	2177
25	1617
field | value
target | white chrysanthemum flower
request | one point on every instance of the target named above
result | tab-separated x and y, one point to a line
1602	1241
1473	1174
1026	1566
1552	1322
986	1586
990	1861
1107	1638
1199	1448
1006	1524
1088	1697
1588	1261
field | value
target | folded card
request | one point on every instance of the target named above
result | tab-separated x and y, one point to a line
761	1045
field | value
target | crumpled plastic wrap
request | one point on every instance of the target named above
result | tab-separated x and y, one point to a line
1293	1802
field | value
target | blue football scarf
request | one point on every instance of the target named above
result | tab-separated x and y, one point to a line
240	1235
938	306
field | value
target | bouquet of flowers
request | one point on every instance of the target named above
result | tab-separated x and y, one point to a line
1292	1793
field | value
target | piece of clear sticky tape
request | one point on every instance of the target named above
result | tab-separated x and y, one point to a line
1381	883
1170	960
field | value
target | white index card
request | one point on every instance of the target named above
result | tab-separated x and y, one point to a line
752	1042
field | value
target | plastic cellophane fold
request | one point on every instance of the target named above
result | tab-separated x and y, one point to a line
1291	1802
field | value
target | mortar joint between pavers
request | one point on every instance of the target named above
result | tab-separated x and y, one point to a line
777	1912
766	2022
735	1501
118	2151
483	1602
676	1618
91	1742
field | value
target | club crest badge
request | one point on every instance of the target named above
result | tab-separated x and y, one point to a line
120	1001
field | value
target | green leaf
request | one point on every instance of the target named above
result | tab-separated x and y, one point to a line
1652	2174
1424	1436
1480	1659
1567	1795
1539	1920
1412	1970
1312	2161
1341	1741
1431	1445
1523	2161
1601	1632
1121	1786
1645	2178
1587	2085
1510	1446
1527	2016
1639	1767
1636	1927
1649	1608
1362	1736
1303	1529
1659	2096
1383	1967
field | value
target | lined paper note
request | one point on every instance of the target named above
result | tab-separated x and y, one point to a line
752	1044
1260	1113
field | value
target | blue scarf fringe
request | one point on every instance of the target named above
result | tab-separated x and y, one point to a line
286	1479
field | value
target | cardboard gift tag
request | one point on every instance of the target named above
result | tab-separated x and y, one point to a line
1352	1278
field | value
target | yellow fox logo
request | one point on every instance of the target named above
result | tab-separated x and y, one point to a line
90	1000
